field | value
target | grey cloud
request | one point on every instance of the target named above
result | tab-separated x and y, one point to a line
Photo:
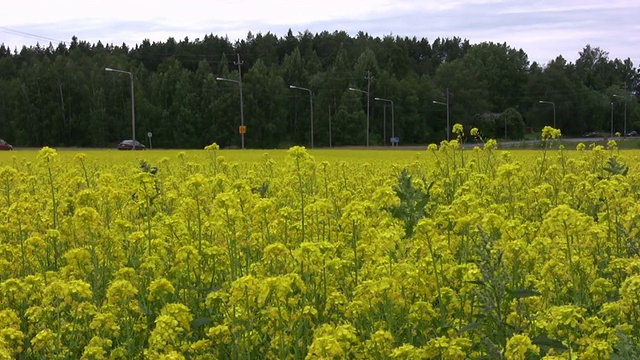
543	30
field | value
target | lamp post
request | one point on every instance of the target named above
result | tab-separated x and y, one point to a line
239	82
612	119
242	129
393	134
310	107
367	93
554	110
133	101
505	128
329	126
447	105
624	130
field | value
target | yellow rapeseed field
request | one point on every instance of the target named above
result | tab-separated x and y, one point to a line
441	253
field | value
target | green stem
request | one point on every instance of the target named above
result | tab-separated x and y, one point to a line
53	198
355	251
300	184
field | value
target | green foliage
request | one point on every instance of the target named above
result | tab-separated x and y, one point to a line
614	167
146	167
413	201
514	122
546	344
63	97
625	349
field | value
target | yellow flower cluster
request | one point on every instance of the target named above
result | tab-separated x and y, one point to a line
549	132
316	254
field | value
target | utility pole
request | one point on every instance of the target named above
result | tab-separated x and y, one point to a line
368	99
448	125
239	64
329	126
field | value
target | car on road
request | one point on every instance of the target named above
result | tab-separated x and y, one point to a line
633	133
5	145
129	145
592	134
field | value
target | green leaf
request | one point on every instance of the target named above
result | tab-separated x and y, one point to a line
523	293
470	327
145	310
549	343
447	326
476	282
196	323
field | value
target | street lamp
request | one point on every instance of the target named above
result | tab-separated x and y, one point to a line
239	82
365	92
133	101
242	128
612	119
310	107
447	105
625	113
393	134
554	110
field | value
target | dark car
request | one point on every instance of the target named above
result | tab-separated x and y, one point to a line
5	145
128	145
633	133
592	134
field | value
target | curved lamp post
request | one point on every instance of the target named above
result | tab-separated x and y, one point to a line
554	110
239	82
393	134
447	105
367	93
624	130
133	100
612	119
310	107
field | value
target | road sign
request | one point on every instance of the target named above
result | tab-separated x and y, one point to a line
149	134
395	140
242	129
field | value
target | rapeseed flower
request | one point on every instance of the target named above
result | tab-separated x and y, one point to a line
180	312
160	289
458	129
107	268
518	346
121	292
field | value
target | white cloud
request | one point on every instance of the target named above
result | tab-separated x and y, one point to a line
543	29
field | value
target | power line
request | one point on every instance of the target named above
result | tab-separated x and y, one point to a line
7	30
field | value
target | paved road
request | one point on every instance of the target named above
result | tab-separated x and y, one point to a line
469	145
585	140
501	144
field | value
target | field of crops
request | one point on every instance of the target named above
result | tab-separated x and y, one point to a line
442	253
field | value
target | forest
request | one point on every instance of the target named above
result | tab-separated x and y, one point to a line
353	89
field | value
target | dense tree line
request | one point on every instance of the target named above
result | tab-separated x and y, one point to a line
62	96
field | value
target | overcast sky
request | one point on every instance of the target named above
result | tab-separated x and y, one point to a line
544	29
